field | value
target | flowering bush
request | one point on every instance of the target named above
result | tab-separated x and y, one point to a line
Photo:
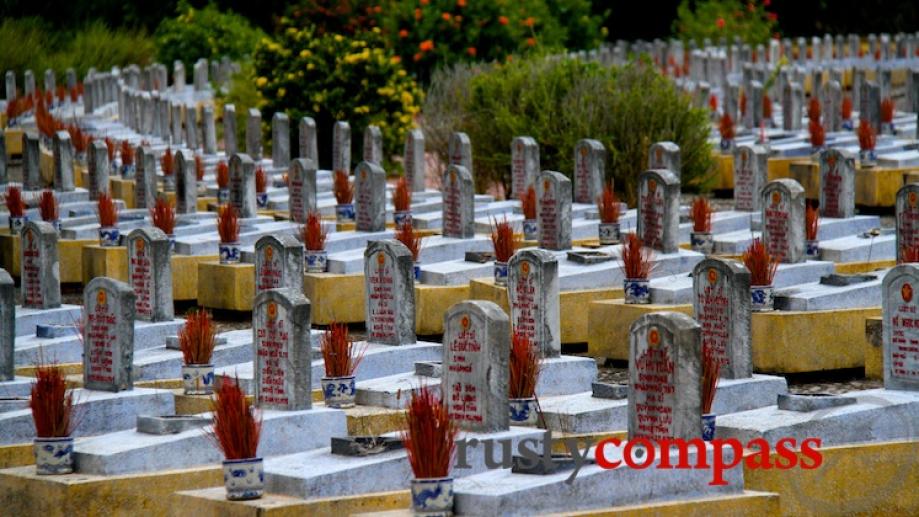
208	33
700	19
427	34
332	77
559	102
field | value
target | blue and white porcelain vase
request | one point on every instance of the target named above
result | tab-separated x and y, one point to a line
523	411
637	290
530	229
338	392
223	196
53	455
244	479
198	379
727	145
432	496
128	171
812	248
317	261
344	213
416	270
402	217
229	252
261	199
109	236
172	241
762	298
702	242
608	233
500	273
708	427
57	225
867	157
16	224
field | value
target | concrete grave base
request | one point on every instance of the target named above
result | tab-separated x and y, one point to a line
734	243
557	376
878	415
283	432
97	412
68	349
379	361
28	318
500	492
17	387
584	413
164	363
321	474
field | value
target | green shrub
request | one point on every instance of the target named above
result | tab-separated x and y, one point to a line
204	33
700	19
559	102
28	43
331	77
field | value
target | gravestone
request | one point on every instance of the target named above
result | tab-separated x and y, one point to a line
413	160
4	175
837	183
7	326
755	103
870	106
907	219
458	203
459	149
524	164
475	378
589	170
49	80
783	219
200	75
665	377
301	184
145	177
665	155
278	263
191	128
63	162
98	168
373	145
40	270
254	134
283	361
900	328
721	305
229	130
31	153
533	298
108	335
659	210
28	79
341	147
280	140
390	290
307	135
369	197
242	185
209	128
186	182
832	106
553	210
150	274
750	175
177	133
178	76
791	107
10	85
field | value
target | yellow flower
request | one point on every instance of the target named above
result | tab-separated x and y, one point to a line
291	76
315	108
362	109
281	92
385	91
261	82
407	98
401	73
338	38
405	119
310	66
305	53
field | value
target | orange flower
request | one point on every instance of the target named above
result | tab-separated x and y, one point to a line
720	23
461	3
531	42
446	17
503	20
425	2
417	14
395	60
426	45
403	33
471	51
378	9
417	57
529	22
